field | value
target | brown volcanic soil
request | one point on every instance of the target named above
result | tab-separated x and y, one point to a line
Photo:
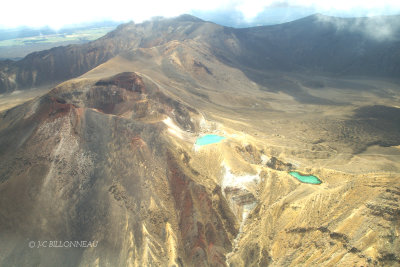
115	179
110	156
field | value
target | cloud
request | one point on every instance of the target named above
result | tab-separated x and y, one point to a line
379	28
227	17
269	15
59	13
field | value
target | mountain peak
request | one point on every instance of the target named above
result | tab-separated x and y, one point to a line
188	17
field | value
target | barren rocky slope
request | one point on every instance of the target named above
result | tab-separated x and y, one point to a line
317	43
92	161
111	156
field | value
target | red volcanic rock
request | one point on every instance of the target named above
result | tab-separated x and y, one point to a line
203	233
127	80
138	142
53	107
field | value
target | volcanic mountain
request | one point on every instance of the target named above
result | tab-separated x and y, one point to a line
111	154
319	43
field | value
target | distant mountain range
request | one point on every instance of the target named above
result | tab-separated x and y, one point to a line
16	43
366	46
25	31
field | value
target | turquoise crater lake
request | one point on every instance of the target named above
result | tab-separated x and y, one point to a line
209	139
309	179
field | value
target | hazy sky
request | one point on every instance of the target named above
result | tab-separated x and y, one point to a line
235	13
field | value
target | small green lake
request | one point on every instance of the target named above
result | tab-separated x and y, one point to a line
309	179
209	139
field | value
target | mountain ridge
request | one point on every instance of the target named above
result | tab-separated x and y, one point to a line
301	45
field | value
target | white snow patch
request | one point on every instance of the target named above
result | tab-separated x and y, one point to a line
173	128
264	159
175	133
203	123
239	181
196	148
246	210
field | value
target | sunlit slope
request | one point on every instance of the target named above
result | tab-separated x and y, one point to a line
111	155
116	151
317	43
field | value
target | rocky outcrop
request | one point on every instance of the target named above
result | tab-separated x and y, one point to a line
206	232
279	165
